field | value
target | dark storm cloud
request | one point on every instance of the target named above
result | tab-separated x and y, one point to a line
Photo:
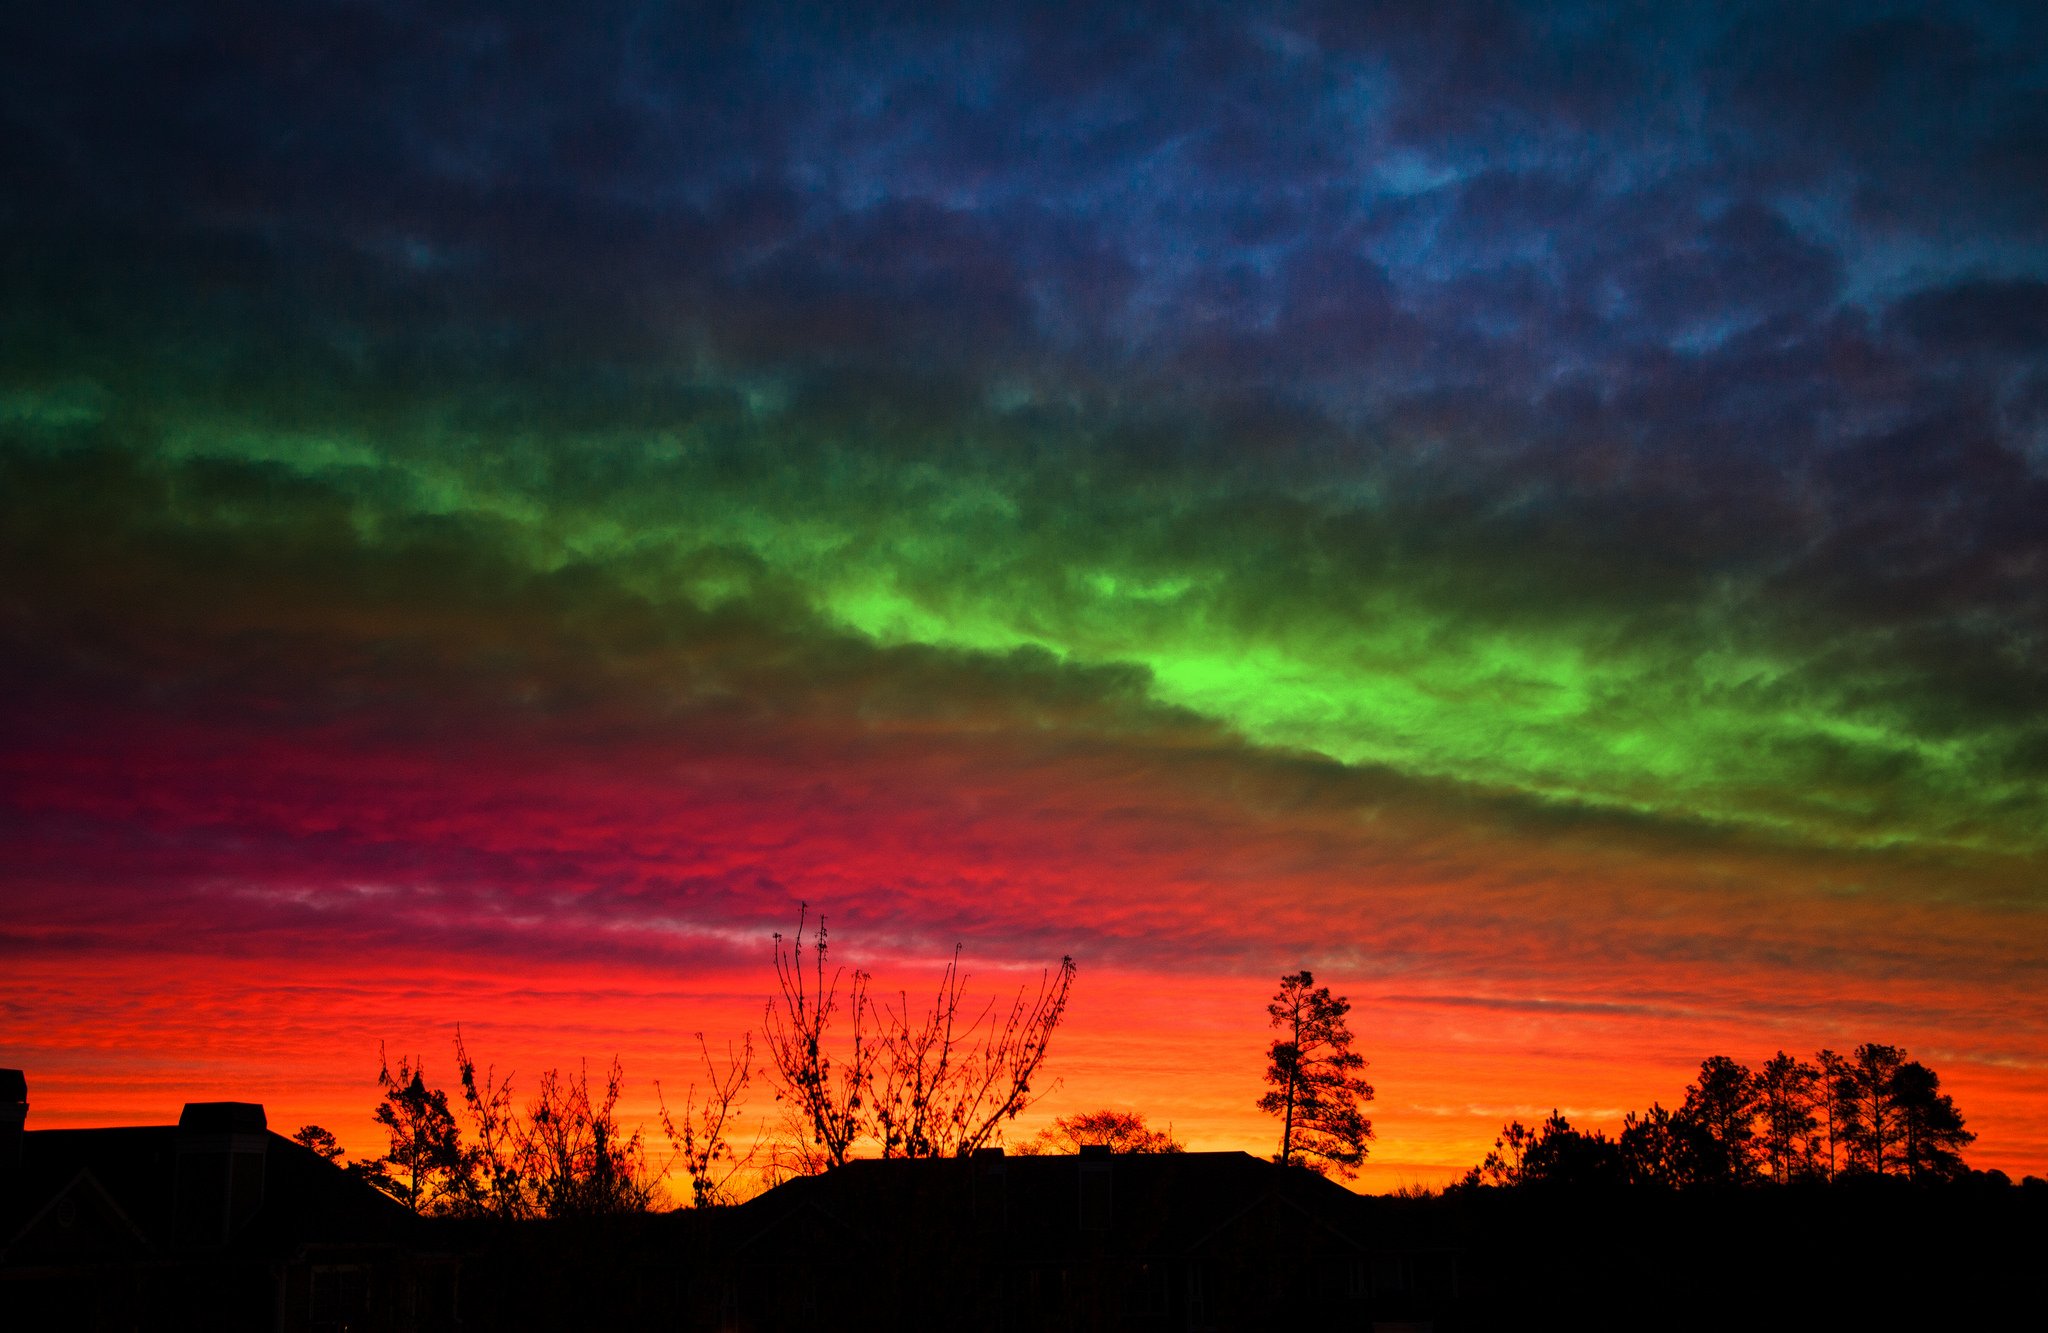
1930	117
2001	317
1567	178
1609	307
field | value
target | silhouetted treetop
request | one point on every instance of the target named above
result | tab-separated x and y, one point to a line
1119	1131
1318	1081
901	1078
1874	1113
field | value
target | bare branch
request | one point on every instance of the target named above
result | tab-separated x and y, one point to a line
934	1082
703	1142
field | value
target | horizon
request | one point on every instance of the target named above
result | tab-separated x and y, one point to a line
1536	515
347	1098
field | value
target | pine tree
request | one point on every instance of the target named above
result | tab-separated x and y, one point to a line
1931	1126
426	1169
1787	1097
1318	1087
1876	1128
1666	1149
321	1140
1723	1102
1834	1107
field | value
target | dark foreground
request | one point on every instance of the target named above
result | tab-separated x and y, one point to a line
216	1223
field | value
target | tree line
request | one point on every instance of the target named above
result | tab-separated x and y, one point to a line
1873	1112
857	1075
853	1074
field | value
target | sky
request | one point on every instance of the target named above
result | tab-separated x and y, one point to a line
1537	513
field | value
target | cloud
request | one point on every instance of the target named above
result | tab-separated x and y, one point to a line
2009	317
1533	505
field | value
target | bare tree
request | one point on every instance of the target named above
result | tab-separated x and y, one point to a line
580	1162
827	1098
794	1151
946	1083
936	1082
703	1142
499	1185
564	1155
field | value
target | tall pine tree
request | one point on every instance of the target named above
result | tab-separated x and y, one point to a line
1318	1083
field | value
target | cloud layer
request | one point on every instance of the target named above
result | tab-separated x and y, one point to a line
1520	509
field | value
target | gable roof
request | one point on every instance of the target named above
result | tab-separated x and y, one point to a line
305	1197
79	1221
1157	1203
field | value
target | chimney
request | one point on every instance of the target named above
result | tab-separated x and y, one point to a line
221	1150
991	1191
1095	1160
13	1116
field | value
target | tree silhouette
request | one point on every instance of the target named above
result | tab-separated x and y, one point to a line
1554	1153
1876	1128
1834	1106
1723	1102
564	1155
826	1096
1119	1131
1564	1155
1667	1148
321	1140
498	1185
704	1139
940	1081
1506	1163
1873	1113
947	1081
1318	1088
426	1168
1933	1128
578	1160
1787	1096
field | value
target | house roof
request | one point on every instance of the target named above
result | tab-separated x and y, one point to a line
1157	1203
305	1197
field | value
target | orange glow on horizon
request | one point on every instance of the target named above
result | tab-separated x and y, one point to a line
1186	1051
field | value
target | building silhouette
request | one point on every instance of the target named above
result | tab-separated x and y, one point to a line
1094	1241
217	1223
214	1222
